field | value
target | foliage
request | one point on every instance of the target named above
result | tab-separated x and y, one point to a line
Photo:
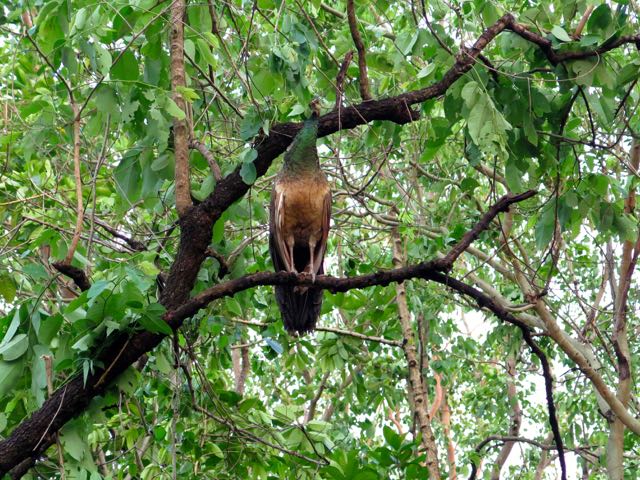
513	123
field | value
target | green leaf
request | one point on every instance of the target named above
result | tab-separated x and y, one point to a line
103	59
366	475
159	433
126	68
13	328
248	173
83	343
152	320
218	231
600	19
628	73
625	227
155	325
10	374
106	100
487	127
392	437
189	94
97	288
250	125
15	348
7	288
275	346
205	52
172	109
3	423
215	450
49	327
127	176
73	441
544	228
296	110
584	71
561	34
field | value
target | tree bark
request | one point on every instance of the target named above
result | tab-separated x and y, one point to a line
180	130
415	375
516	418
615	443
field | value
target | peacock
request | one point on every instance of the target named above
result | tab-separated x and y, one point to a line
300	212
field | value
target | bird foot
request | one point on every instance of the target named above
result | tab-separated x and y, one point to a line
300	289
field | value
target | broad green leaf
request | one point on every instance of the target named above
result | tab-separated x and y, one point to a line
103	59
296	110
49	327
189	94
487	127
274	345
10	373
215	450
600	19
13	328
545	228
172	109
14	348
248	173
126	68
106	100
561	34
97	288
152	320
73	441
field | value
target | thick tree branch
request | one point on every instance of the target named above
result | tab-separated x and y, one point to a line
416	385
620	337
180	130
74	273
516	418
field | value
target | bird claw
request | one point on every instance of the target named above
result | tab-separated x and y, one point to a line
304	276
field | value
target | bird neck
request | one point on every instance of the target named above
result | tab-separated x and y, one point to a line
303	155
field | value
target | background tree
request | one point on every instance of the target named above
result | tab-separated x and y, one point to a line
137	144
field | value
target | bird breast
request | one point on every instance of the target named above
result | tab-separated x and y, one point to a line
301	207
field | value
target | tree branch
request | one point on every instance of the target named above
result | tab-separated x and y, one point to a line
516	418
206	153
416	384
365	90
180	130
78	179
342	73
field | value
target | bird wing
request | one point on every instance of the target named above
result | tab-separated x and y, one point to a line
279	251
322	246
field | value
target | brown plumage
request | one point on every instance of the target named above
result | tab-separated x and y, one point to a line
300	211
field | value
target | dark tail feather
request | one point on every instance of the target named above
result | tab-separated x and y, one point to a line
300	311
